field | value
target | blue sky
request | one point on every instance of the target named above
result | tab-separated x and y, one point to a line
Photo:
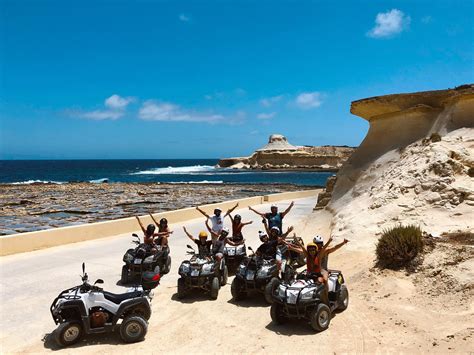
208	79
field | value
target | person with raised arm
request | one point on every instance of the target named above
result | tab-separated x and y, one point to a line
315	253
164	231
217	219
204	245
274	218
237	237
148	235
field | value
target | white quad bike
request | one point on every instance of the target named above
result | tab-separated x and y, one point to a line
302	299
88	309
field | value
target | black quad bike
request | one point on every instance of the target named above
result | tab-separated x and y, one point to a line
302	299
234	254
256	274
203	273
88	309
141	259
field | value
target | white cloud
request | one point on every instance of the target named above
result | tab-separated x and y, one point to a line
184	18
117	102
115	108
164	111
266	116
269	101
388	24
100	115
308	100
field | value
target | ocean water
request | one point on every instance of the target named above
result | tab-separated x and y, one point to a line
163	170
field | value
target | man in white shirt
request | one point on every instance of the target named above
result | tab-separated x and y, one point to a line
217	220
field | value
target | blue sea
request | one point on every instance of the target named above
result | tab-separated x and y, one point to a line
146	171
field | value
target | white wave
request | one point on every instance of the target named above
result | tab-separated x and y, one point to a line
195	169
29	182
99	181
197	182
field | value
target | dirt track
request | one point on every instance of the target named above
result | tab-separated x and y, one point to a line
385	313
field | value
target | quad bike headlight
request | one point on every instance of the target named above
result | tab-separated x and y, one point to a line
307	295
207	269
127	258
240	249
184	269
263	272
148	260
242	270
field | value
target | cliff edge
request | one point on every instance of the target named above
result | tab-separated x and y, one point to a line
415	166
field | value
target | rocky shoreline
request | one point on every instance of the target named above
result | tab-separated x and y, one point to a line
26	208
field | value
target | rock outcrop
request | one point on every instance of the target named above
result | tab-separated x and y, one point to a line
280	154
414	166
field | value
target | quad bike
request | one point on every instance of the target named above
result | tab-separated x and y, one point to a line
234	255
257	274
302	299
201	273
139	260
88	309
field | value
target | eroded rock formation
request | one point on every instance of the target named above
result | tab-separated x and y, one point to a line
414	166
280	154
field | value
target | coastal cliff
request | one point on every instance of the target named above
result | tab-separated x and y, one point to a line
279	154
415	166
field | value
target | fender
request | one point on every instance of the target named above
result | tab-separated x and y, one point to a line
71	305
130	304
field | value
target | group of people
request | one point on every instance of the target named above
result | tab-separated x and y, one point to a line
274	244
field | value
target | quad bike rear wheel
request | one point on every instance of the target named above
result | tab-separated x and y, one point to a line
270	289
215	285
133	329
68	333
181	288
276	312
320	317
237	289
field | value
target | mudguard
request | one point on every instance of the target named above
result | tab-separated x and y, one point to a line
77	305
129	305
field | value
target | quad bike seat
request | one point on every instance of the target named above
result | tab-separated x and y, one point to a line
119	298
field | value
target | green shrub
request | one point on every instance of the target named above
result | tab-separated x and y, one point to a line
435	137
398	246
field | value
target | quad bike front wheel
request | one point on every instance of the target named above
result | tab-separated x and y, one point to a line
270	289
276	312
133	329
320	317
225	276
215	285
237	289
68	333
343	299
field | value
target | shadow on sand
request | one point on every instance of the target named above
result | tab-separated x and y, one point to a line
112	338
294	327
253	299
193	296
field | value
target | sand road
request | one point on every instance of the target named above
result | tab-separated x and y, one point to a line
385	313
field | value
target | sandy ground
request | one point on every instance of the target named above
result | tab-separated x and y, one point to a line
387	312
